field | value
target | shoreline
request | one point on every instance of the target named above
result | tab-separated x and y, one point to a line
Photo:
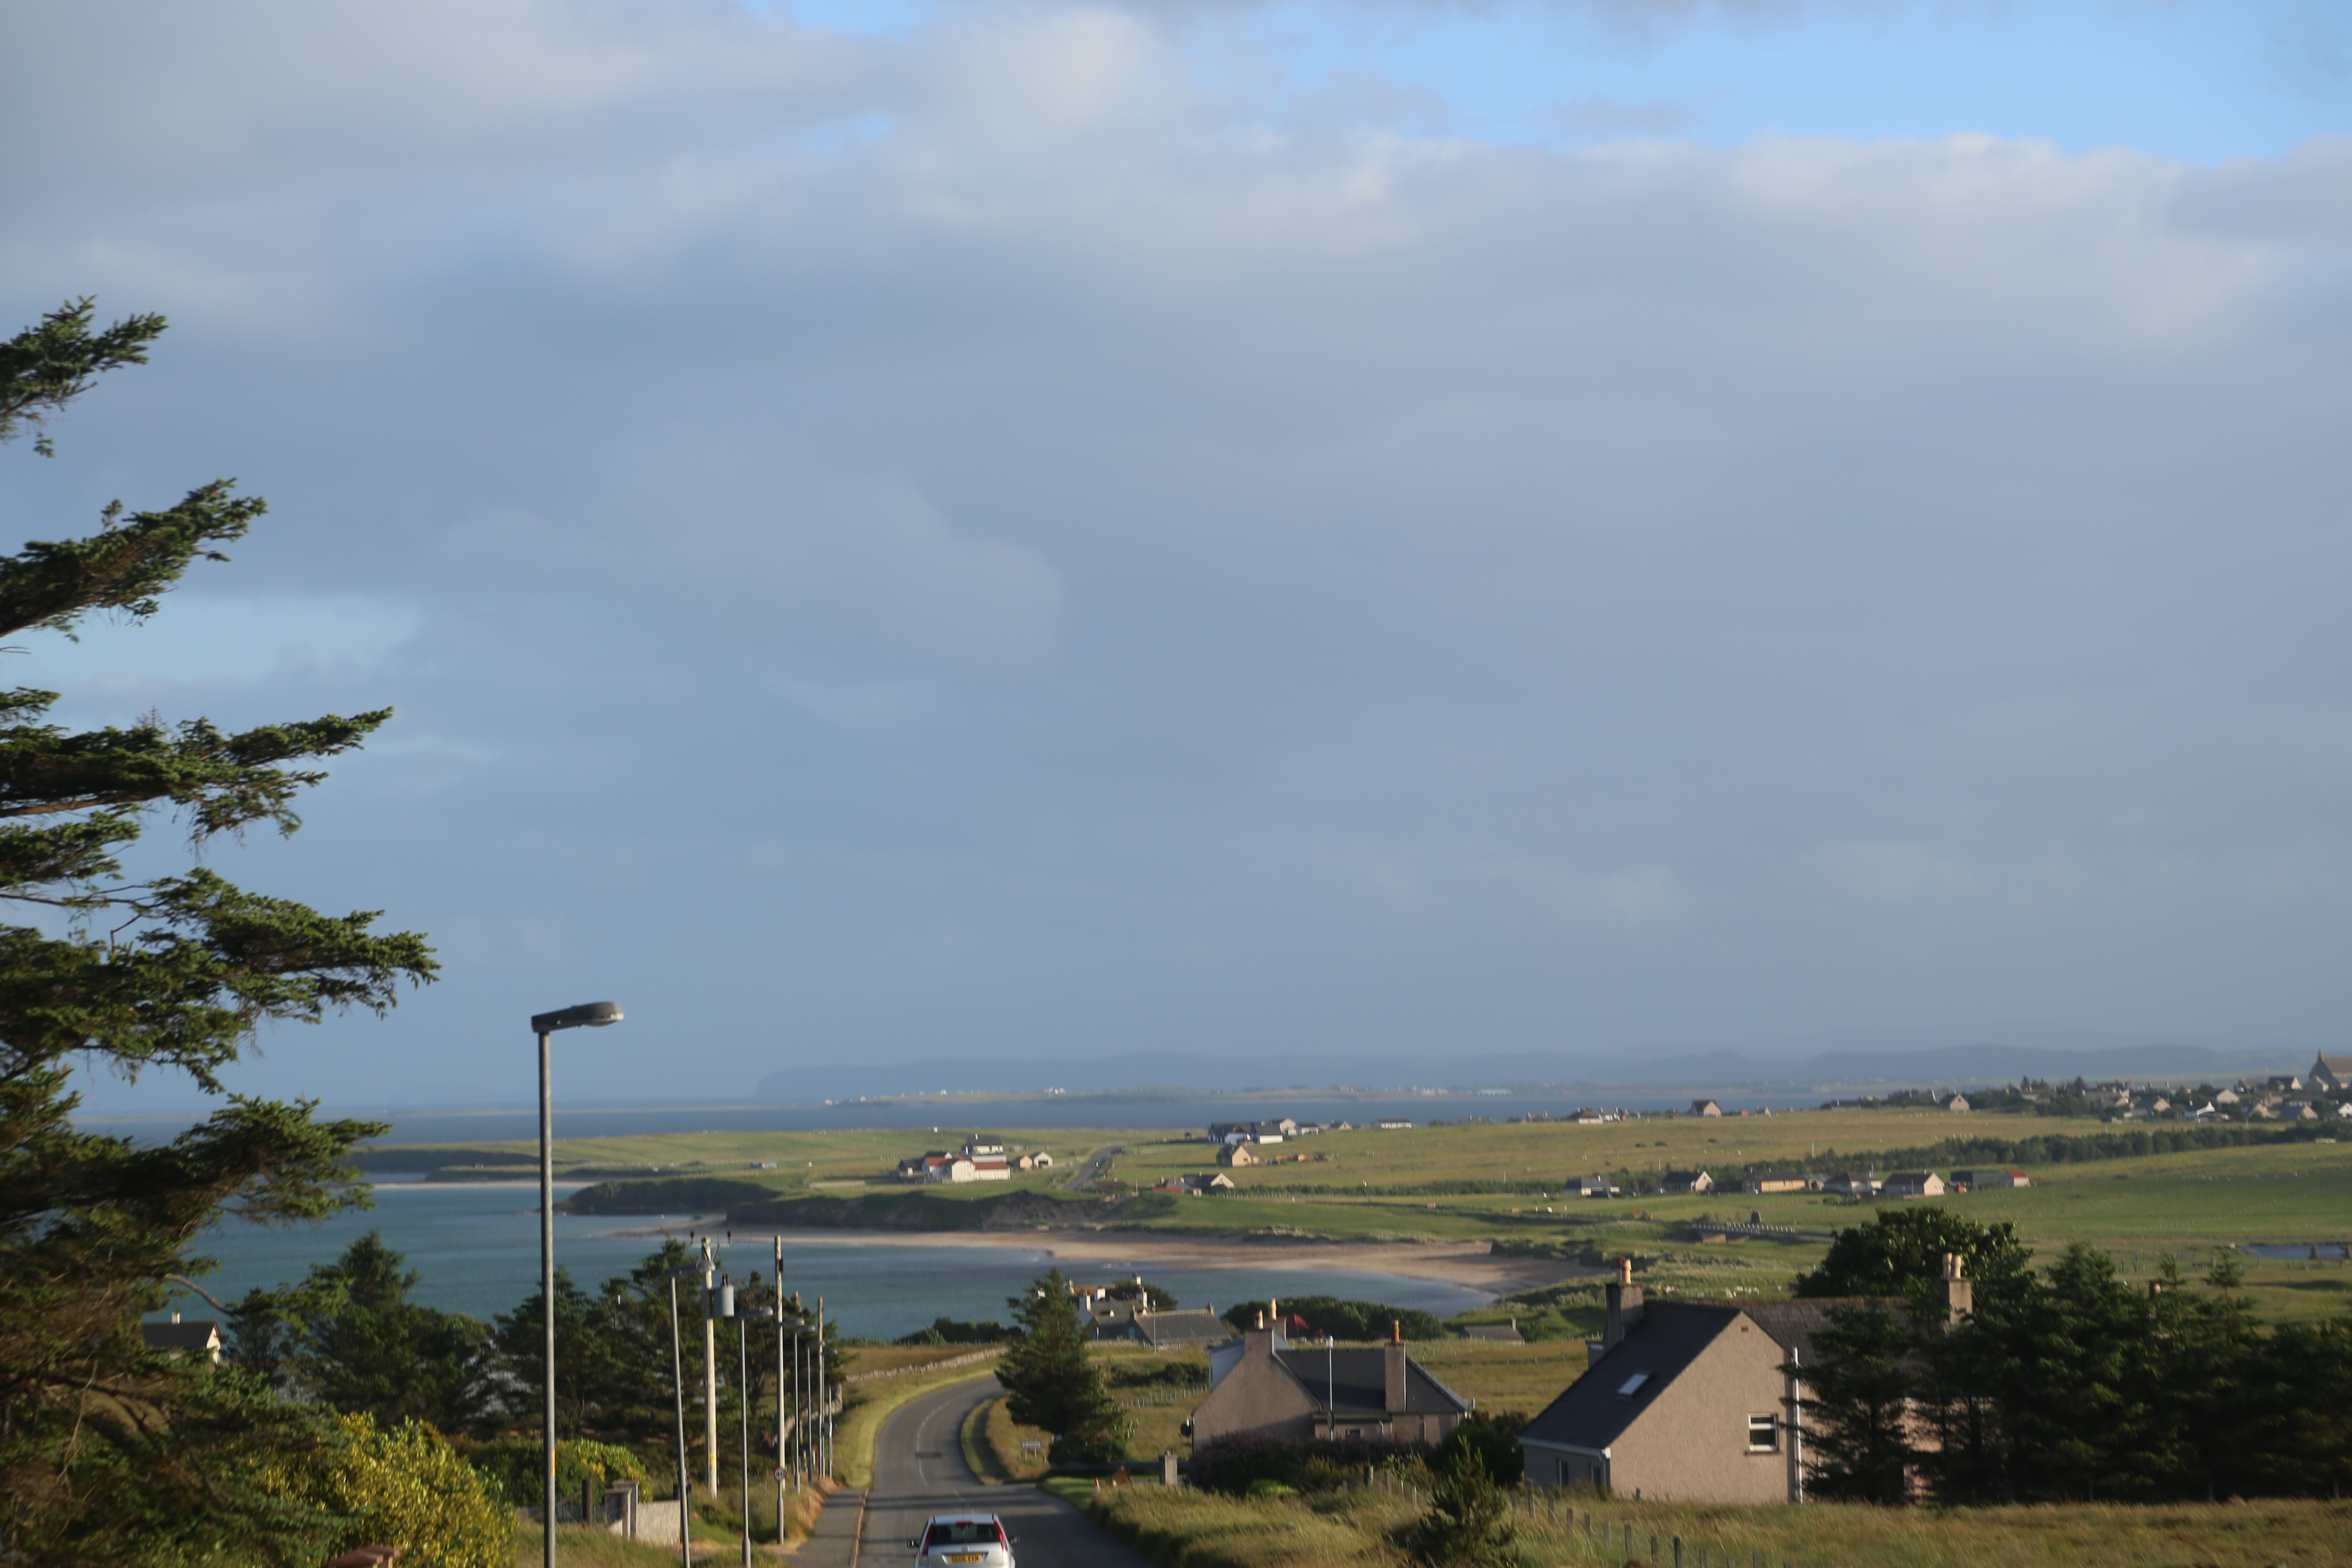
1471	1265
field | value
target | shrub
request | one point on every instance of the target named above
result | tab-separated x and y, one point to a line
1232	1465
512	1465
1468	1520
405	1487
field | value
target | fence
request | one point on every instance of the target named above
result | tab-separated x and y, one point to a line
918	1367
1599	1537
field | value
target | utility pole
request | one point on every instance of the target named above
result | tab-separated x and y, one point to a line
823	1408
710	1371
780	1387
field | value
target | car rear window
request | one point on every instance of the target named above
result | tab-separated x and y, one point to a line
964	1533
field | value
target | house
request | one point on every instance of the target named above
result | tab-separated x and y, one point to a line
1689	1401
1915	1185
1393	1124
1588	1116
1273	1131
1494	1334
1978	1180
1697	1183
1852	1183
197	1336
2228	1097
2333	1074
1704	1108
1593	1187
1040	1161
1261	1385
1954	1102
1168	1331
1196	1185
1783	1182
1238	1156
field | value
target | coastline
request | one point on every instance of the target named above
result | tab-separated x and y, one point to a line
1471	1265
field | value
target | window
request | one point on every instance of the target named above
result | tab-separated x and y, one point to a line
1763	1433
1633	1384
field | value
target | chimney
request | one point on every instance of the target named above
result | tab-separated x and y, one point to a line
1394	1353
1258	1341
1960	1296
1625	1304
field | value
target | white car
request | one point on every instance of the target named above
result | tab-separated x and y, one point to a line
963	1541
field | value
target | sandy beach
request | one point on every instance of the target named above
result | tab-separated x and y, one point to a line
1469	1263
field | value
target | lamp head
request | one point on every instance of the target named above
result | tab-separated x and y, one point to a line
590	1015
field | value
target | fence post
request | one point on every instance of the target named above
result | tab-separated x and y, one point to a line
1678	1551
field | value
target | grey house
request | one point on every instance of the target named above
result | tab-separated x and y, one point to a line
1263	1386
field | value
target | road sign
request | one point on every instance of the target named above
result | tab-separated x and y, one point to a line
782	1475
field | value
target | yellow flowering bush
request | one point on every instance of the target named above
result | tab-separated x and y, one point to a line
406	1487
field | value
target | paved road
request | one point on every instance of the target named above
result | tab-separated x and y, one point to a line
919	1471
1091	1169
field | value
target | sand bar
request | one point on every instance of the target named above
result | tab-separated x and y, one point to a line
1470	1263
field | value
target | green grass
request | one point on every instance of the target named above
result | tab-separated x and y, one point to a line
1185	1529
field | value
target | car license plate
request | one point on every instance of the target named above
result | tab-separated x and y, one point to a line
966	1556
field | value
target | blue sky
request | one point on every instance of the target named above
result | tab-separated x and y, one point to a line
1046	530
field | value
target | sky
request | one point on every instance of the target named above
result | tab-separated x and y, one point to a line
1046	530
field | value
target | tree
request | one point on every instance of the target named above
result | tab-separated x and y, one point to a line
1051	1383
106	1451
1900	1256
1468	1520
347	1336
1858	1446
402	1487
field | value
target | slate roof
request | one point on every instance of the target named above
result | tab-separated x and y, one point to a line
1357	1382
1180	1328
195	1334
1592	1412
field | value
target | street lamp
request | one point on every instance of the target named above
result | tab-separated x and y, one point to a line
678	1380
595	1015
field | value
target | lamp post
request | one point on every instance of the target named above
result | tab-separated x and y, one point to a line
594	1015
677	1382
743	1322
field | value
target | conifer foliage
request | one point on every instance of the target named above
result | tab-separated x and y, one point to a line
1050	1382
108	1452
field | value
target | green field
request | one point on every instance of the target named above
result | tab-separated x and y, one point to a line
1388	1186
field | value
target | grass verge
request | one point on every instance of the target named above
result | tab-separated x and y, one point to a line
1186	1528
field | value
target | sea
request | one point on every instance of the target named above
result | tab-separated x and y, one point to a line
475	1249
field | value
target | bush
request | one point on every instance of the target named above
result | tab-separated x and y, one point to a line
948	1331
1232	1466
405	1487
1468	1520
511	1465
1493	1440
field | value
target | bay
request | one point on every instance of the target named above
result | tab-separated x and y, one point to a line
475	1248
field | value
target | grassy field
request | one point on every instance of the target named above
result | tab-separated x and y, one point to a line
1356	1186
1185	1529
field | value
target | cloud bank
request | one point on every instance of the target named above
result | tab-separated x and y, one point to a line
989	538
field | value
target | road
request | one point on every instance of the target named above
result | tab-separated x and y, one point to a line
919	1471
1091	1169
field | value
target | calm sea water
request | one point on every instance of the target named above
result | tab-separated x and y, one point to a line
477	1248
1103	1110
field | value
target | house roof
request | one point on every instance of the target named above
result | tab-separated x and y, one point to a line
1595	1409
1505	1333
2340	1067
1357	1381
194	1334
1598	1408
1193	1328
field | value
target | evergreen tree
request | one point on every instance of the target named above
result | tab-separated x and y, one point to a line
347	1336
106	1451
1858	1445
1051	1383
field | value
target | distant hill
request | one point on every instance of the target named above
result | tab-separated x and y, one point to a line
1718	1072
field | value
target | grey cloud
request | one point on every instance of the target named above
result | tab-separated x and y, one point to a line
987	538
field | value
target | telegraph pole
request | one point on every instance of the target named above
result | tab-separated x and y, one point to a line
710	1371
